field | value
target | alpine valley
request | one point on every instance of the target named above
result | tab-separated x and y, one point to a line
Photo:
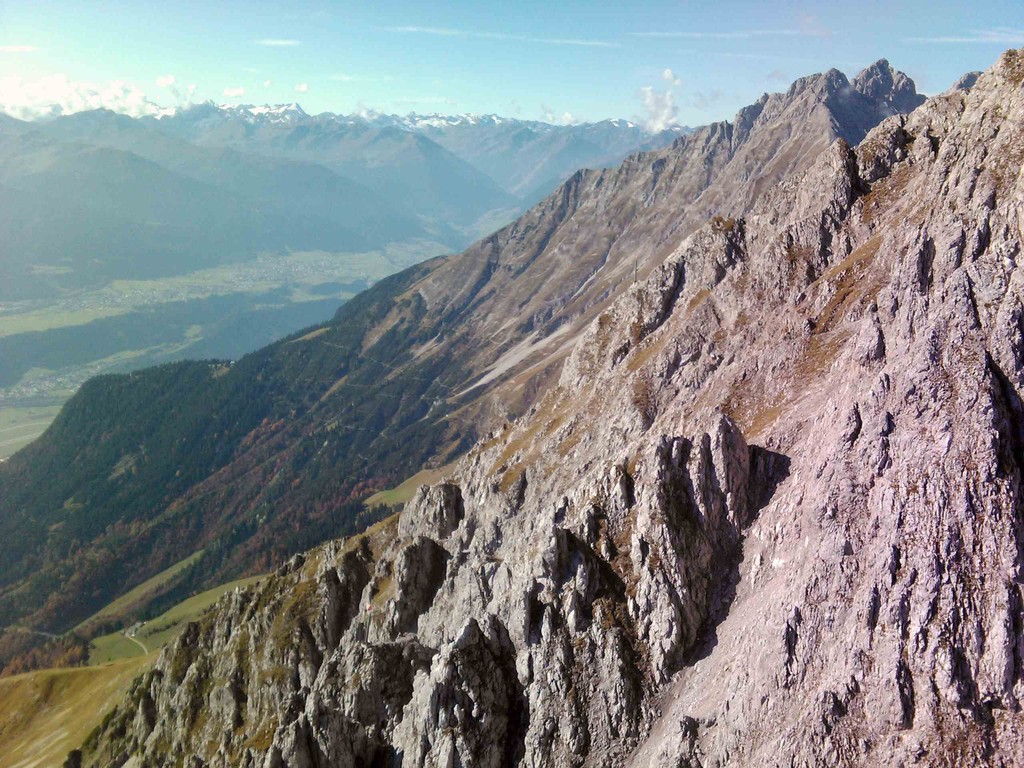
726	445
210	231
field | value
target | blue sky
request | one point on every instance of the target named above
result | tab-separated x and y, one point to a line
566	60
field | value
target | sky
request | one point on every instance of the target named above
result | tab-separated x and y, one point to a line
658	63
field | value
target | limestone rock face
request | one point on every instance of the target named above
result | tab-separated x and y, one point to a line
769	514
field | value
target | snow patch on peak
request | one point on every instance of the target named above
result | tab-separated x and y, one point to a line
275	113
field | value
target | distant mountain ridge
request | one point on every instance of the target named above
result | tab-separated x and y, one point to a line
525	158
267	179
294	113
96	196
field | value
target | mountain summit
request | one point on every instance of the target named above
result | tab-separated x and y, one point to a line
880	82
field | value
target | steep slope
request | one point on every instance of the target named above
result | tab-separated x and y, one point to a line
545	276
271	455
769	515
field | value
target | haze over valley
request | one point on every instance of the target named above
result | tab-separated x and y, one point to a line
210	231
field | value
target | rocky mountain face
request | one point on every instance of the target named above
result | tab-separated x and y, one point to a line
769	513
515	302
269	456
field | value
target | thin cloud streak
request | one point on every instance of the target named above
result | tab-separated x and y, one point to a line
275	43
1000	36
18	49
447	32
736	35
347	78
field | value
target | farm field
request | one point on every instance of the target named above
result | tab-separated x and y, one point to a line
20	426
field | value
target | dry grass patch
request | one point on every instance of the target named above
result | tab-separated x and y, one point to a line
548	417
851	283
46	714
698	298
377	537
885	194
565	447
1013	66
311	335
819	355
405	490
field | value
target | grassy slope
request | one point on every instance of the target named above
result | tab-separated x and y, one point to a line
138	595
404	491
158	632
48	713
67	507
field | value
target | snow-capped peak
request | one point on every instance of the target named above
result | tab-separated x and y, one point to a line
272	113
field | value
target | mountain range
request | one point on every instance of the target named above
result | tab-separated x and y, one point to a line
95	196
130	242
265	457
734	462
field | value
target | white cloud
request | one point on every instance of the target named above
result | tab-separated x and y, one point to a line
660	106
743	34
266	83
549	115
234	93
449	32
56	95
18	49
277	43
302	88
183	95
